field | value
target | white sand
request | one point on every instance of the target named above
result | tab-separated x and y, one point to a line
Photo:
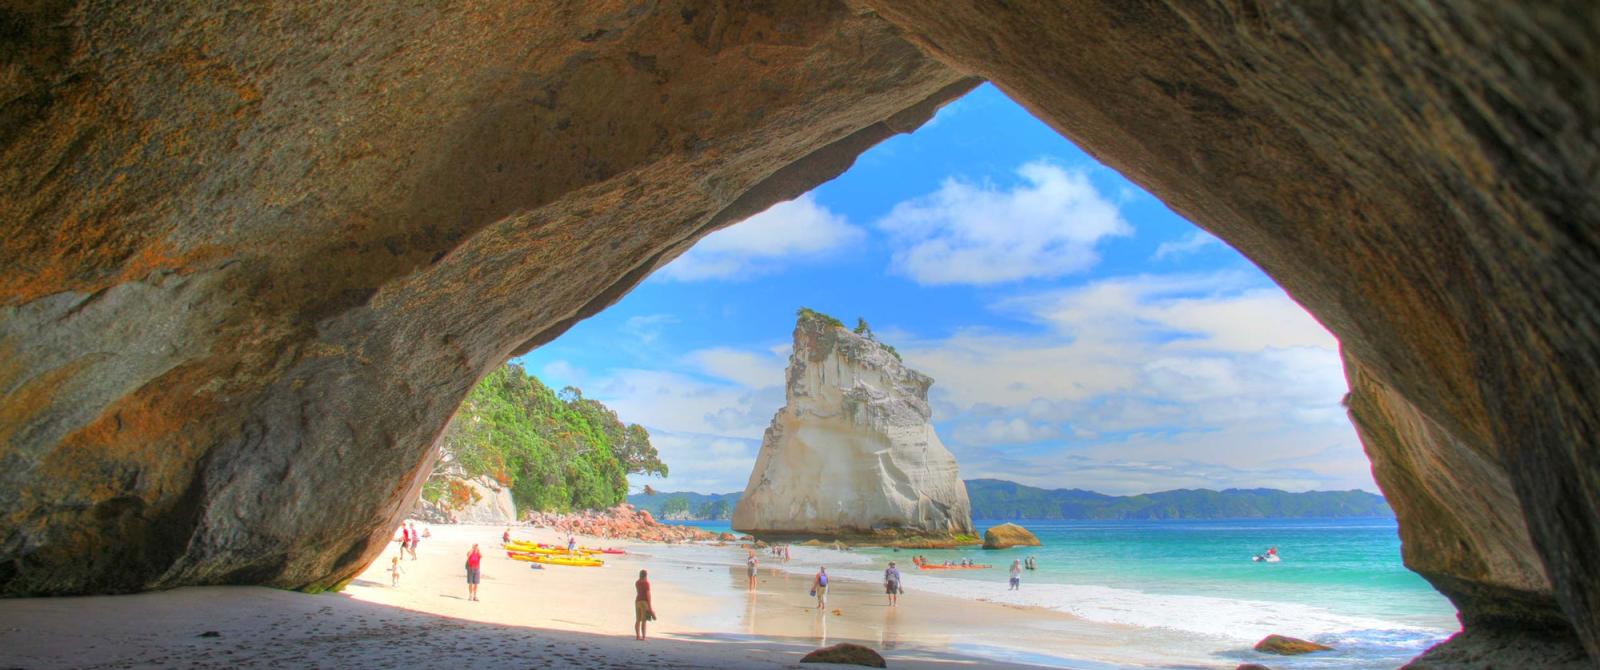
556	617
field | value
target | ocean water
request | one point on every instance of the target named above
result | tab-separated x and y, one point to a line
1341	582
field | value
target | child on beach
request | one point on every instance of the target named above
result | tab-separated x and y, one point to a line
1016	575
395	568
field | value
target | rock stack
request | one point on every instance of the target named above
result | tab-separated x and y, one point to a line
852	454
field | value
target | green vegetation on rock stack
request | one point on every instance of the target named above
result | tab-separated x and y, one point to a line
556	451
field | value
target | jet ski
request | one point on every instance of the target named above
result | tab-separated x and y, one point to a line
1266	558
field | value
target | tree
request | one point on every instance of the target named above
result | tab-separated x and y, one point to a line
638	456
713	510
862	328
675	507
556	451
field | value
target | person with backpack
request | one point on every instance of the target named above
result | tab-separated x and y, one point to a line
819	587
891	584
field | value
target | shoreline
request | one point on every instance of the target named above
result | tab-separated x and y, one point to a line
582	617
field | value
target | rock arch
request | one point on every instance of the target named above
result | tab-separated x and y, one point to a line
254	255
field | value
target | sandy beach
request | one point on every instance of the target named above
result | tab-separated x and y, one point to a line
554	617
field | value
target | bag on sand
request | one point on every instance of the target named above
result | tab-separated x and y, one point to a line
813	593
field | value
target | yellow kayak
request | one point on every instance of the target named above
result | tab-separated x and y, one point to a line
532	548
555	560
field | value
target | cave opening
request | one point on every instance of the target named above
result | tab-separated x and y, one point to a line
241	300
1080	336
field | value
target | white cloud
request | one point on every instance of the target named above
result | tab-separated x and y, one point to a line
560	373
979	234
647	328
797	229
747	368
1232	379
1189	244
1015	430
701	463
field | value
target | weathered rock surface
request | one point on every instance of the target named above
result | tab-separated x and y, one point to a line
852	452
621	522
1007	535
1420	177
491	504
255	254
846	653
1284	645
1466	531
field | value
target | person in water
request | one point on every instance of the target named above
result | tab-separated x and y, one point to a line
819	587
891	584
750	564
474	560
642	610
1016	575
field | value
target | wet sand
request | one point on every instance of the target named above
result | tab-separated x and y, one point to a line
553	617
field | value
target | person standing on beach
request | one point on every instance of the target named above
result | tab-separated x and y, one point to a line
750	564
891	584
395	568
474	559
819	587
572	544
642	610
505	538
405	539
1016	574
416	538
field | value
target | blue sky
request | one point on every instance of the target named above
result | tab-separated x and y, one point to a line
1080	334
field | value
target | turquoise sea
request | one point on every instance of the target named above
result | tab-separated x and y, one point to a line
1341	582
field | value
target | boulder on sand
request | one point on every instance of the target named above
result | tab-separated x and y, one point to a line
845	653
1287	646
1008	535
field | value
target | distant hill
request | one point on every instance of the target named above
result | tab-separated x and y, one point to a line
686	506
999	499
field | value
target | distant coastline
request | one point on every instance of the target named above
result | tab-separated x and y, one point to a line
999	499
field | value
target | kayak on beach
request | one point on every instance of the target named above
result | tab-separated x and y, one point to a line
542	548
548	559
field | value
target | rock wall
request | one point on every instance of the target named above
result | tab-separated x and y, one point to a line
1421	176
255	253
852	452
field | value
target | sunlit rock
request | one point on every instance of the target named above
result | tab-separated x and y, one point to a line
852	452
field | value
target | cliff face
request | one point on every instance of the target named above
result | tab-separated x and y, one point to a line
852	452
255	254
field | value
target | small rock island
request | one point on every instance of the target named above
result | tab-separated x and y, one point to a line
852	455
